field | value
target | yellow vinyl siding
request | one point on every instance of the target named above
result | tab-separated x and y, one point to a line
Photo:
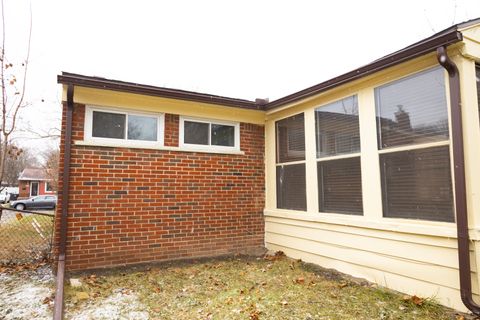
412	256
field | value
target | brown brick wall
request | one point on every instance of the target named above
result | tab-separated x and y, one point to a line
138	205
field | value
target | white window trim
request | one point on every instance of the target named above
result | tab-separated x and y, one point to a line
209	147
88	138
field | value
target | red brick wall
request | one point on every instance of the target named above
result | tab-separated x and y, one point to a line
137	205
171	130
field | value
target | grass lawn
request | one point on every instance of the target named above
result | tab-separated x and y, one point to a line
239	288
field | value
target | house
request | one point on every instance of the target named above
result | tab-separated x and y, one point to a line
374	173
34	182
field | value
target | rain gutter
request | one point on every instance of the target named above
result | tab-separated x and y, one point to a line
459	184
58	311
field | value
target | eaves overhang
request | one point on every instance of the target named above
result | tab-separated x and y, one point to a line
67	78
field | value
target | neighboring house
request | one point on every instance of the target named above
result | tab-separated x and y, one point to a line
356	173
34	182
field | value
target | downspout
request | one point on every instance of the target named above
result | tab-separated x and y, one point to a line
58	312
459	185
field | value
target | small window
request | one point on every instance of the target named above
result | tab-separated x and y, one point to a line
209	135
290	177
142	128
108	125
123	128
48	186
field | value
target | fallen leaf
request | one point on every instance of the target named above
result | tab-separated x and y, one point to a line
300	280
82	295
417	300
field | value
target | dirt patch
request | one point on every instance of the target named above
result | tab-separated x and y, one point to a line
274	287
26	294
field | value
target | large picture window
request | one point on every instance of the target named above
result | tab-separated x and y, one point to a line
412	112
290	169
118	127
338	166
209	134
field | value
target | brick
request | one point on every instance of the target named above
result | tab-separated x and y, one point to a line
137	205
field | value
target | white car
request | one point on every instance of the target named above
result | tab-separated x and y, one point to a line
6	192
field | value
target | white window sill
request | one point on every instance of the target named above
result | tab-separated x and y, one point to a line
420	227
134	145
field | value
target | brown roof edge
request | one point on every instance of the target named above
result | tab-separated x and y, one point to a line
443	38
102	83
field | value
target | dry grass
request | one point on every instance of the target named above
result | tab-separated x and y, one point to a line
247	288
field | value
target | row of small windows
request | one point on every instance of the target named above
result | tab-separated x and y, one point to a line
120	126
416	184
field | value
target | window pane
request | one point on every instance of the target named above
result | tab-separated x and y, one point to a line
291	139
417	184
340	186
336	127
291	193
108	125
412	110
142	128
196	132
223	135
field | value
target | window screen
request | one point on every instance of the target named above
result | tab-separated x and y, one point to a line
340	186
337	128
290	134
291	193
412	110
108	125
417	184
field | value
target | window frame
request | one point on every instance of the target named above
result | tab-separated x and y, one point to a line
339	156
303	162
47	184
209	146
414	146
125	142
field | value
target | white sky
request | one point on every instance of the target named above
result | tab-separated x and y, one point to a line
241	49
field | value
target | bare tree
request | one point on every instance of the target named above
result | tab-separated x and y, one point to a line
51	165
13	78
16	161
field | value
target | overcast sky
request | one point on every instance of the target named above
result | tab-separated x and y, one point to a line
241	49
